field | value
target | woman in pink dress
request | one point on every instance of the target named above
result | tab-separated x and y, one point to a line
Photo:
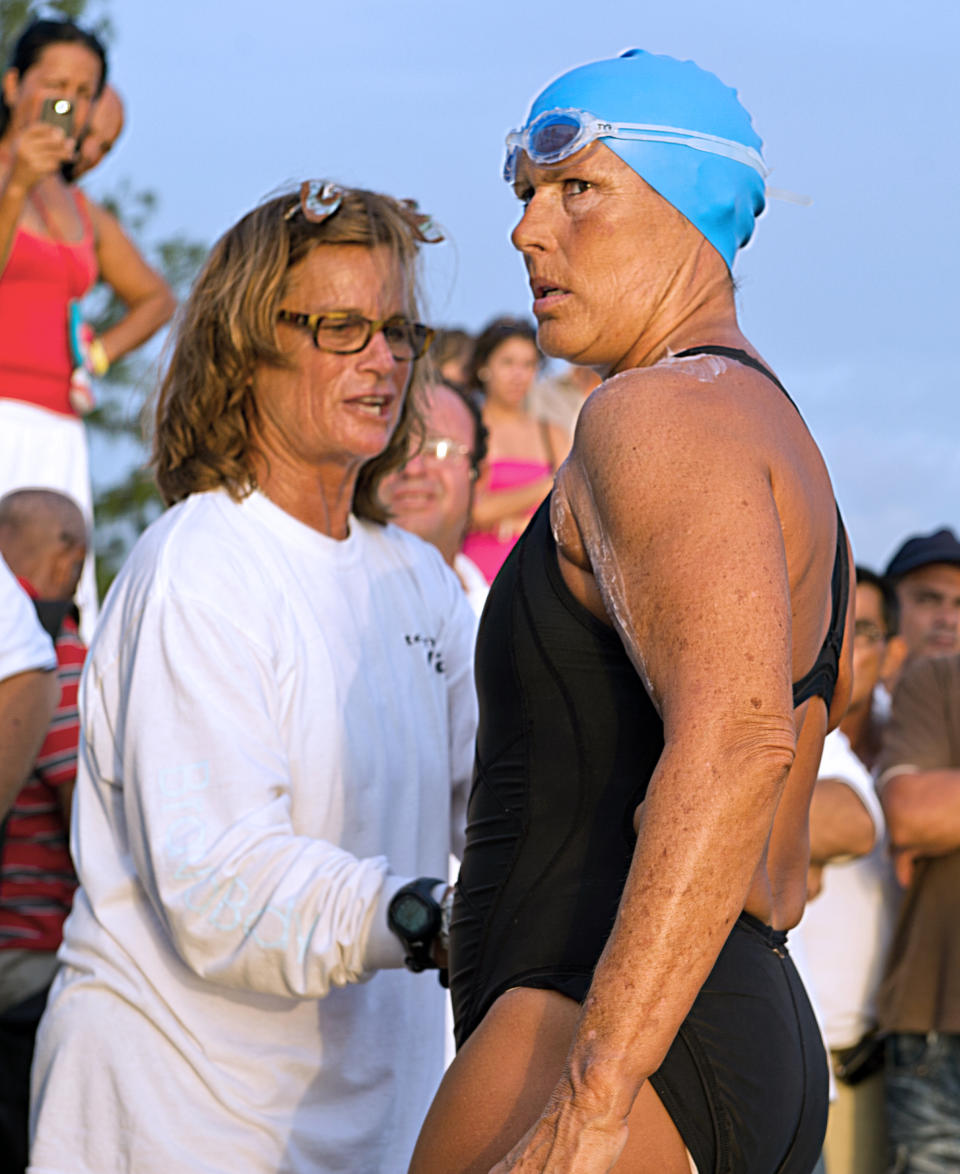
524	452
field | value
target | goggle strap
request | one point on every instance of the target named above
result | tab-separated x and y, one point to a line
699	141
591	128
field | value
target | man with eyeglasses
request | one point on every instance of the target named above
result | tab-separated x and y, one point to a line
432	494
840	945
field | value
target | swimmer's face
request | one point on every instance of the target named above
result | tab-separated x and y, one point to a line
602	251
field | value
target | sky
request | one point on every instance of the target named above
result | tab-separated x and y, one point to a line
852	299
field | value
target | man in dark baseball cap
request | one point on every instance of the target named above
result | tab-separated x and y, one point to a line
926	574
918	1002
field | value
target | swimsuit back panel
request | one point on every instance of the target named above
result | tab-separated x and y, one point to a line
567	742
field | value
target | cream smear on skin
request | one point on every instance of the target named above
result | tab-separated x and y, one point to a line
703	368
603	560
608	574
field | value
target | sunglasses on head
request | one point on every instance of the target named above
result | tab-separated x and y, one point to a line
319	200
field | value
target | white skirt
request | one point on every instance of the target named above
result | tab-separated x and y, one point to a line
40	449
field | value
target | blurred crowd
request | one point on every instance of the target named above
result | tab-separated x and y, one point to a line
235	877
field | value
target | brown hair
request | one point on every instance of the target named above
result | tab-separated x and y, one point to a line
205	408
494	335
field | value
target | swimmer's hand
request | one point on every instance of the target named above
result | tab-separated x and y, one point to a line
567	1139
440	950
440	955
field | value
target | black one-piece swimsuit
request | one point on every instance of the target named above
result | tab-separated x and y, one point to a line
567	742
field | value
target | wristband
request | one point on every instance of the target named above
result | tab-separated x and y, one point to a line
98	359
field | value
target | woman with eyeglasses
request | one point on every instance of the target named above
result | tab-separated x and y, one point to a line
525	452
278	720
657	665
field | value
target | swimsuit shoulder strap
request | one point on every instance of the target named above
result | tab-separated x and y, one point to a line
821	679
741	356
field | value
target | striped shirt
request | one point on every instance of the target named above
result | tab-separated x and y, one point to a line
37	879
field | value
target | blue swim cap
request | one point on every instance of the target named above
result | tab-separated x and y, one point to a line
718	195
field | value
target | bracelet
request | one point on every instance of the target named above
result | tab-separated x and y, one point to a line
98	358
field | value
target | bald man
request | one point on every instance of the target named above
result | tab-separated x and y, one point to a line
43	540
102	131
43	537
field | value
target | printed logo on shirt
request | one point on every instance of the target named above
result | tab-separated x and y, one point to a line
434	655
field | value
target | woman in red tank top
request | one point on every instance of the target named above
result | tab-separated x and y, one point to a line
54	244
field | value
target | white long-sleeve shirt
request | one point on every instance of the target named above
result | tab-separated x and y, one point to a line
278	730
841	943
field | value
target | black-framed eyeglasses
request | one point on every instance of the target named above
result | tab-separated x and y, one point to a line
346	333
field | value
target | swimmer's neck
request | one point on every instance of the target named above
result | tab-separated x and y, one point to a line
698	308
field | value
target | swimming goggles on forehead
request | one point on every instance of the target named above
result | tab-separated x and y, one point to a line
555	135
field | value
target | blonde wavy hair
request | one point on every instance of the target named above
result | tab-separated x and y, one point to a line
205	412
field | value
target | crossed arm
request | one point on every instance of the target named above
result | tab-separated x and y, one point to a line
920	772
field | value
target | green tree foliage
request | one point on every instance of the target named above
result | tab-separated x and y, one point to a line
14	14
122	509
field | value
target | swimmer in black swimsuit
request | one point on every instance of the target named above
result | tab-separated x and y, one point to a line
637	838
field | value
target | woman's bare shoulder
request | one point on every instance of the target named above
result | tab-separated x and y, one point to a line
669	409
